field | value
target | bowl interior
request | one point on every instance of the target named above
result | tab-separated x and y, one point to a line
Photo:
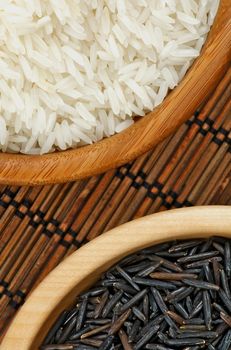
82	269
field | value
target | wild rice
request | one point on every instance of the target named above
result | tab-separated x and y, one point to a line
160	316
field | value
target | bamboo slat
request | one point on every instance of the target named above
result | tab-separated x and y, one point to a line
40	226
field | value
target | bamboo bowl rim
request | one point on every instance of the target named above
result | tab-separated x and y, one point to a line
180	104
60	287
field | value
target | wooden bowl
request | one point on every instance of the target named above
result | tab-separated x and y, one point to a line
83	268
144	134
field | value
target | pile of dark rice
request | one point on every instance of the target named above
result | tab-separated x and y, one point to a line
174	295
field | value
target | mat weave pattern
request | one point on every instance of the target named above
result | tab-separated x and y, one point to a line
40	226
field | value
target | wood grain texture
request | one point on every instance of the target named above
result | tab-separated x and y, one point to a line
144	134
81	270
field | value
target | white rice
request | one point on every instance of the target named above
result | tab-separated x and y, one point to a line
75	71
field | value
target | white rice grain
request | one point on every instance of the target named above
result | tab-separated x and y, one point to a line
75	71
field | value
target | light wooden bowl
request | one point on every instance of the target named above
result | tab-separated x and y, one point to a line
141	137
83	268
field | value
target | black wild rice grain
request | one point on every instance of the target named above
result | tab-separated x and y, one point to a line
106	345
208	273
180	309
93	342
207	310
82	313
218	307
121	286
205	247
57	336
193	327
228	259
225	284
118	324
157	248
133	300
197	298
151	324
194	321
177	318
183	295
139	314
90	314
139	267
185	342
171	255
226	341
226	318
176	295
148	270
157	347
201	284
172	276
172	333
94	292
221	328
99	308
199	334
154	283
197	257
70	315
110	282
134	331
200	263
111	303
170	322
100	321
167	263
146	337
94	331
128	278
124	340
225	299
189	304
146	307
172	296
78	334
219	247
67	331
196	309
185	245
55	328
58	347
159	300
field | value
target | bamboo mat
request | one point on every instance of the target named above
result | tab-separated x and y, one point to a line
40	226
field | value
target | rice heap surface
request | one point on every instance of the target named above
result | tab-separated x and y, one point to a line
171	296
75	71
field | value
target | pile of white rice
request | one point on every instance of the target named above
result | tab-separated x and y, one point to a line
75	71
